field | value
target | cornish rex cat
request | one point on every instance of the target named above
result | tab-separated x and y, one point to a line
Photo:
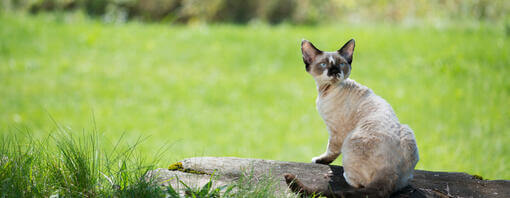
379	153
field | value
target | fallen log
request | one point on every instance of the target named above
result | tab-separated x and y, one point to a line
323	179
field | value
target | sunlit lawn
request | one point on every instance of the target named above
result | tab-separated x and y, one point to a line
225	90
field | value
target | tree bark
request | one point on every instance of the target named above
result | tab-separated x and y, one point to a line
324	179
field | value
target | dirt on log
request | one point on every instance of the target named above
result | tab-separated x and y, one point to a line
324	178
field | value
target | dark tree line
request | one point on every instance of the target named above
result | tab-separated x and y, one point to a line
272	11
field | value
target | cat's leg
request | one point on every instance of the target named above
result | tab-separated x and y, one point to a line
332	152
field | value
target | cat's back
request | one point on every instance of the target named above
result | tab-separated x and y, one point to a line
374	113
378	147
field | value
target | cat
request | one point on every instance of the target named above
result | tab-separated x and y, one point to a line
378	153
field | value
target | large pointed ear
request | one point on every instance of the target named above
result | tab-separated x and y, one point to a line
347	50
309	53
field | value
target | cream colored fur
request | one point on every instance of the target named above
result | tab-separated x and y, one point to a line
378	151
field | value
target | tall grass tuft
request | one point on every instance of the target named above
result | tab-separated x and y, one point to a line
71	165
76	167
22	173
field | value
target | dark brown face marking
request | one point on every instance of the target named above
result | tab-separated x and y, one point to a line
333	62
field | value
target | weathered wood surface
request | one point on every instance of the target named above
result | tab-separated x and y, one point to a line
197	171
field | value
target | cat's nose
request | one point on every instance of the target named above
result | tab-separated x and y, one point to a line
334	70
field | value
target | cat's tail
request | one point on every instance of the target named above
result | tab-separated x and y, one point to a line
410	154
408	144
298	187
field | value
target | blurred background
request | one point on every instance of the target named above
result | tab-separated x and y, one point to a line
272	11
226	78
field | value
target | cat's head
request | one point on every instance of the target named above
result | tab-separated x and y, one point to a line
328	67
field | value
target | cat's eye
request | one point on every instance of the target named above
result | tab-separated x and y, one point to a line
323	64
342	64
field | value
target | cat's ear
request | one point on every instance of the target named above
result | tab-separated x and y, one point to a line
309	53
347	50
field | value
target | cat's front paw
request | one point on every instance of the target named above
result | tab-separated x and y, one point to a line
321	160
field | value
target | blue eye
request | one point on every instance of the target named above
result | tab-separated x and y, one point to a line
323	64
342	64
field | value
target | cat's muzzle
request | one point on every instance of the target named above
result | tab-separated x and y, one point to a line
335	72
340	75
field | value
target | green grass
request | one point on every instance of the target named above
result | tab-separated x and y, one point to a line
225	90
72	165
66	164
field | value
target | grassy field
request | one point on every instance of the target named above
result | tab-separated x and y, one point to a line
226	90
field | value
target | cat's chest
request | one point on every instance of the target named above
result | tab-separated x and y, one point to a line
329	108
337	113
